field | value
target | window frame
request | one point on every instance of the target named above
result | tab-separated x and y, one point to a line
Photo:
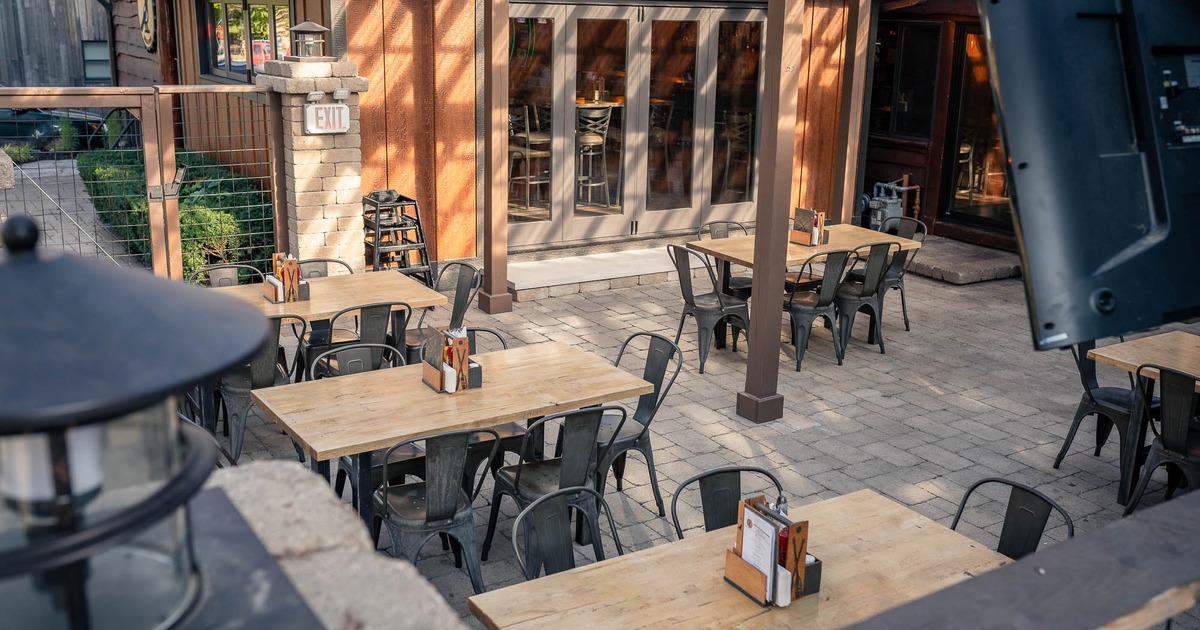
207	29
903	27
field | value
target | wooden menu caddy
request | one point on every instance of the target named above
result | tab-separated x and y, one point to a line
442	348
808	228
752	582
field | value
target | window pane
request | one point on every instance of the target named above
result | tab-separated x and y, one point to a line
236	45
260	35
915	83
739	49
530	86
283	31
599	115
883	82
216	36
672	107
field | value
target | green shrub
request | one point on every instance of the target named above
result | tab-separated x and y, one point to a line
18	153
68	137
114	124
224	217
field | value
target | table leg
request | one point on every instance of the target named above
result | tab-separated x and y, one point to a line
207	406
363	488
319	467
1135	436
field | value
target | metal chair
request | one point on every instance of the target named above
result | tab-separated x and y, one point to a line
468	280
319	267
526	144
266	368
711	309
636	435
805	306
1177	444
737	286
355	359
1024	520
511	434
416	512
225	275
574	465
904	227
375	323
590	139
854	296
739	148
720	492
547	532
1113	406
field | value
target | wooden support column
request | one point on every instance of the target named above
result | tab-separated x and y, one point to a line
495	298
760	401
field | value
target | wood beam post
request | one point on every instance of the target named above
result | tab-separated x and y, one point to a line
760	401
495	298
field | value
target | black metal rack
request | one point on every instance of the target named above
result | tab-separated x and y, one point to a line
394	236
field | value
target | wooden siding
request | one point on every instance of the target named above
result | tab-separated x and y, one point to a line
40	41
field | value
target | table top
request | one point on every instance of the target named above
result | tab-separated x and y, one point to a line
875	554
353	414
740	249
1176	349
333	293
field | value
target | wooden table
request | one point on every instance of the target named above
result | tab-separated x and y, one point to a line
875	554
360	413
1177	350
740	249
331	294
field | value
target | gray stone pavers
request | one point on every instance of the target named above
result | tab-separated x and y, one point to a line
960	397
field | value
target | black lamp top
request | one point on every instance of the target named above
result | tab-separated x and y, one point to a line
82	341
309	27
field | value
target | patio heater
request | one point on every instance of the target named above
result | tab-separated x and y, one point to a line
308	42
95	466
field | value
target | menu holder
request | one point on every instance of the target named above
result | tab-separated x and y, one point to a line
808	227
285	284
763	535
447	366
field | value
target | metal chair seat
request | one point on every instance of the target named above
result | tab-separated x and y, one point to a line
406	461
611	426
539	478
406	504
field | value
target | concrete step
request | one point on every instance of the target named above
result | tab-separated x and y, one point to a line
538	279
963	263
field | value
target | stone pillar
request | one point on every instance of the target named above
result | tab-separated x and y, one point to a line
7	180
322	173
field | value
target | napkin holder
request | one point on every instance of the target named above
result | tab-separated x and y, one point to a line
794	578
285	284
274	291
447	366
808	228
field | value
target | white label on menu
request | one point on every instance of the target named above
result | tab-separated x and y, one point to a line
760	543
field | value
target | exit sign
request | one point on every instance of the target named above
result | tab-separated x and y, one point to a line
326	118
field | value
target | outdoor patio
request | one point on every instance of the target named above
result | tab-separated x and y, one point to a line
961	397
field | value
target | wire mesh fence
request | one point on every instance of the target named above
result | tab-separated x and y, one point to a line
90	176
222	144
78	172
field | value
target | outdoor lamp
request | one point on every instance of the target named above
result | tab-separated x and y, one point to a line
308	42
95	466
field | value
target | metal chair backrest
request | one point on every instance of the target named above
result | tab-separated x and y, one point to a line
445	465
579	456
593	121
376	322
1087	366
720	229
354	358
682	258
879	258
1177	391
660	115
1024	520
468	282
518	121
720	492
738	130
226	275
319	267
838	264
548	534
904	227
659	356
263	363
472	340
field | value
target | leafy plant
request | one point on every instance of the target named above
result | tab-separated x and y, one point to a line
68	137
224	217
114	125
18	153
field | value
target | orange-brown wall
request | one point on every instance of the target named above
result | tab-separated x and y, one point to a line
418	119
816	181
